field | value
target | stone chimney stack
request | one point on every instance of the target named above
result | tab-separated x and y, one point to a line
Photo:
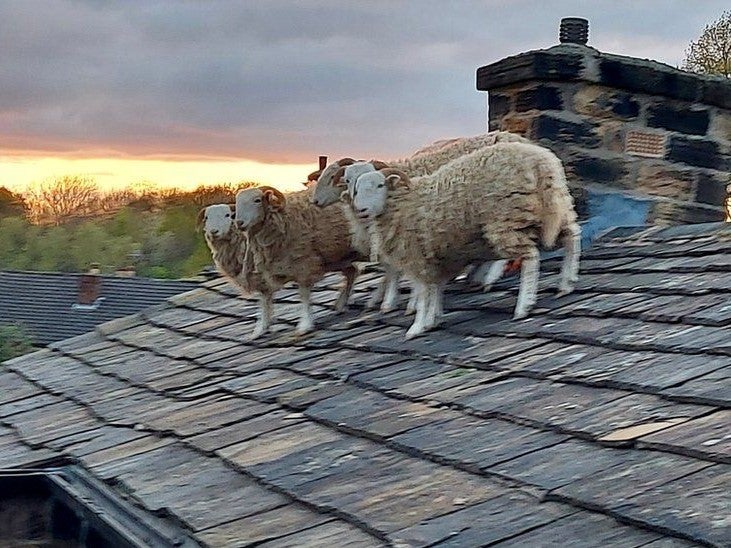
620	124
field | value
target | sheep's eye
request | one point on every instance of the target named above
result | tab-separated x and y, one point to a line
380	185
257	201
228	215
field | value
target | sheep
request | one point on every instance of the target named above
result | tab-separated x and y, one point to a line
230	255
289	239
341	175
499	202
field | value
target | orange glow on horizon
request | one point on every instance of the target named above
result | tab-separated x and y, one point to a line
18	171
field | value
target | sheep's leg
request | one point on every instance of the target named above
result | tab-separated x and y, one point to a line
422	303
377	295
391	297
434	308
528	291
350	274
264	321
306	322
413	302
570	265
494	273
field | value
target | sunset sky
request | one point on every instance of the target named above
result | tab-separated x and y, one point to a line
180	93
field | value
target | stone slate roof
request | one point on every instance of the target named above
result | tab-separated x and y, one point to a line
602	420
42	301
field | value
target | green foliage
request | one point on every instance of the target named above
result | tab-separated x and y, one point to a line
14	341
154	232
711	53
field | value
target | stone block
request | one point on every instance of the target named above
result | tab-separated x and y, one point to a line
721	126
663	180
678	118
601	102
592	169
561	65
648	77
539	98
696	152
516	124
716	91
712	188
556	129
498	105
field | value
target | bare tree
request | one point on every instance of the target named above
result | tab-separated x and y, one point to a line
711	53
59	200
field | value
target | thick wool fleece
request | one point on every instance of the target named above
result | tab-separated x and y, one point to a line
501	201
232	261
300	242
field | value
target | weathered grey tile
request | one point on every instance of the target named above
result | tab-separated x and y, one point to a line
696	506
712	389
474	442
583	530
489	350
332	533
491	521
343	363
706	437
640	471
270	525
264	418
557	465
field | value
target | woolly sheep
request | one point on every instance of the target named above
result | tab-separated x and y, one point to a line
228	247
290	239
501	201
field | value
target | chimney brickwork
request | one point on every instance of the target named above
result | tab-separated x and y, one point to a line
621	123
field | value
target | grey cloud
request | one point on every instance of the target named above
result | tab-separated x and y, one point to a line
283	80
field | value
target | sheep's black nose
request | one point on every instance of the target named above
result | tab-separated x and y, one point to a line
214	232
363	210
240	224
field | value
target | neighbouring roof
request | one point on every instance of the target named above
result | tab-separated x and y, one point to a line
602	420
43	301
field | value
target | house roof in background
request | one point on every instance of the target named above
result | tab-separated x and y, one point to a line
601	420
43	301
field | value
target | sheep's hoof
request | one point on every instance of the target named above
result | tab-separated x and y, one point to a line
563	291
412	333
257	333
519	315
304	329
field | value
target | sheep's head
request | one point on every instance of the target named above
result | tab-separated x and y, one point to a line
353	171
371	191
254	204
216	221
329	186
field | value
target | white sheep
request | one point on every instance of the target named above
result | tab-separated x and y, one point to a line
500	202
341	176
290	239
228	247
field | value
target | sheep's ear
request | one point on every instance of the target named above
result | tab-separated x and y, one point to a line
199	219
274	199
339	178
378	165
394	180
345	162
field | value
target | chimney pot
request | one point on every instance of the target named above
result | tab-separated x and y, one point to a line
574	30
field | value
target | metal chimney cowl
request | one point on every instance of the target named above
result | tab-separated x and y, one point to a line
574	30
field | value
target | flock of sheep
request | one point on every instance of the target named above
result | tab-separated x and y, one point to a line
464	203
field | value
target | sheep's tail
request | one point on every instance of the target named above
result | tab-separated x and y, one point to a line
558	208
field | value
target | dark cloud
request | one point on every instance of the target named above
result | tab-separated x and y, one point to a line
282	80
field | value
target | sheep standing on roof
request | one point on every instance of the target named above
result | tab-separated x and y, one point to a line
341	176
502	201
289	239
229	251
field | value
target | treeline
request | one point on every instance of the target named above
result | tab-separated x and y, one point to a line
153	230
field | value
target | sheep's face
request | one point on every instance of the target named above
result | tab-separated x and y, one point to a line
354	171
254	204
368	198
217	221
330	184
